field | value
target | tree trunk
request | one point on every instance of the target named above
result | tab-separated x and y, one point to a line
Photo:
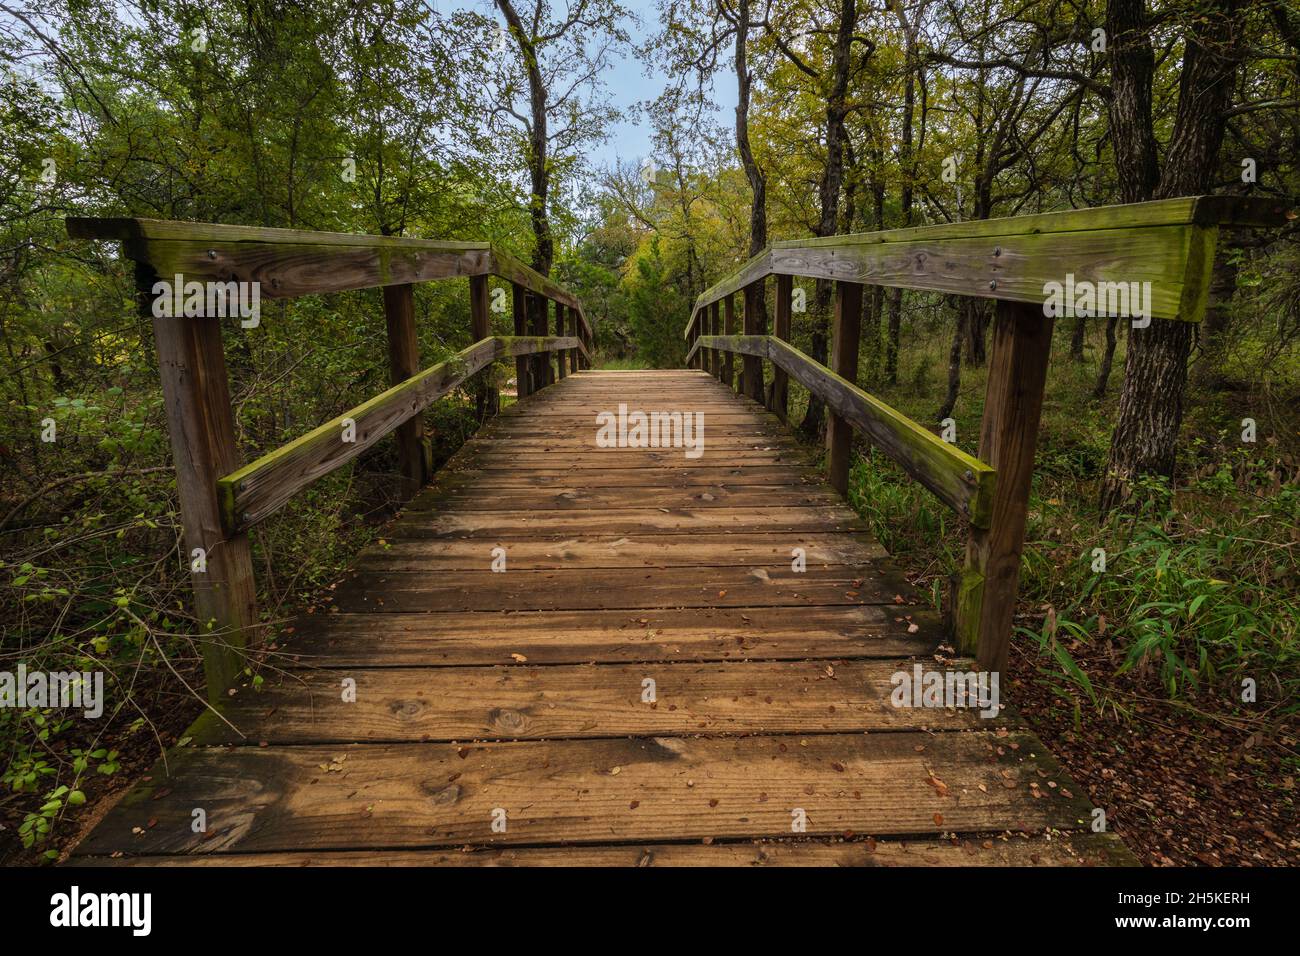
829	194
1107	359
1077	339
1155	370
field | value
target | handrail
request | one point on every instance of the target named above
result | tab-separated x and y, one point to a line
220	498
1162	242
258	489
1160	252
961	481
288	262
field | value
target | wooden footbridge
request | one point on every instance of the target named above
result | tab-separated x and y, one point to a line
579	645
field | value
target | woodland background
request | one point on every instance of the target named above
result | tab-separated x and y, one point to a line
479	123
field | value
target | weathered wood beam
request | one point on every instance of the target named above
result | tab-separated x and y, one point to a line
523	366
559	331
293	262
200	425
755	324
251	493
486	399
403	362
780	378
1169	243
729	327
846	331
985	597
962	482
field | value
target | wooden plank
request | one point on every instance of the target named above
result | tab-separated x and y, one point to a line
1021	350
964	483
496	524
256	490
1065	849
512	270
200	426
578	702
846	329
625	551
668	476
588	499
292	262
586	791
571	637
1164	242
1009	268
756	268
407	592
403	362
498	458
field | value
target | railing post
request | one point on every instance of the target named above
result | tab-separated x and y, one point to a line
559	330
715	328
575	355
200	425
480	328
844	362
403	362
755	324
523	368
985	598
780	380
541	361
729	316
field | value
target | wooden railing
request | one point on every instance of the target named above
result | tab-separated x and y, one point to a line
221	498
1169	244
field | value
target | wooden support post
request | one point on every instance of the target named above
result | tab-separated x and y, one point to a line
523	366
559	330
845	333
196	398
403	362
715	328
781	380
985	598
541	361
487	400
755	324
729	328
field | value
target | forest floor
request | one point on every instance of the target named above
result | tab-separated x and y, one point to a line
1187	773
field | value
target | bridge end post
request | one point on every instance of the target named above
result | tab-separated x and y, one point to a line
200	425
985	598
845	334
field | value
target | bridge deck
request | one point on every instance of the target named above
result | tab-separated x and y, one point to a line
479	692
